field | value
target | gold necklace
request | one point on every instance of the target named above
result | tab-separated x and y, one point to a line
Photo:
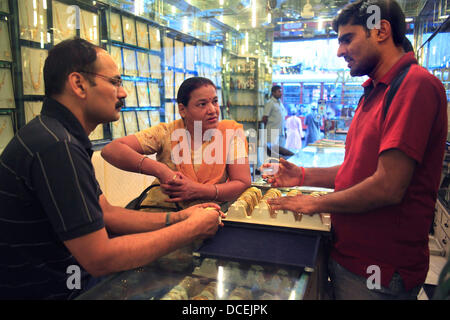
142	32
64	33
115	26
3	80
143	93
143	66
130	32
29	27
31	110
87	35
36	85
6	53
3	127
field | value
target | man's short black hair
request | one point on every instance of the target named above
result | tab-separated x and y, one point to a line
356	14
275	88
71	55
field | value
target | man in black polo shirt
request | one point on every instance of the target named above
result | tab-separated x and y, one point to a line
54	217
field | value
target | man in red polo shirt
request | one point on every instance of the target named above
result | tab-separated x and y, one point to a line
386	188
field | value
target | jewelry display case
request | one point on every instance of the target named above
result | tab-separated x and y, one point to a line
4	6
276	263
142	94
169	112
115	26
118	129
169	84
97	133
33	21
32	110
116	54
130	122
5	42
152	58
129	30
168	52
129	61
142	35
64	21
130	88
179	54
143	64
6	90
32	70
89	26
6	130
155	99
155	118
155	38
143	119
155	67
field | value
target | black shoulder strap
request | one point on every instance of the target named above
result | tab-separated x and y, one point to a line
395	84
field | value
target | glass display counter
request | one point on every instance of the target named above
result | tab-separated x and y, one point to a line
241	262
244	260
209	279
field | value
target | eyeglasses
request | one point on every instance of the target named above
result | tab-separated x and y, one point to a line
117	82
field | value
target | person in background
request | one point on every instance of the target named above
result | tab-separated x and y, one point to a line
54	219
386	188
195	177
313	122
274	118
294	131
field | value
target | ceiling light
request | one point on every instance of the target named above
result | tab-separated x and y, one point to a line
254	13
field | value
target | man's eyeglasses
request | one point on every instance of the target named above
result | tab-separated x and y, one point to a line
117	82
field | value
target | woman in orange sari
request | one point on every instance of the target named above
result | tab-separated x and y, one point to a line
198	156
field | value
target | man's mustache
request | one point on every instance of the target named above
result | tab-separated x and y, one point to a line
120	103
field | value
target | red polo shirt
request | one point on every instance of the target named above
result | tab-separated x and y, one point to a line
395	238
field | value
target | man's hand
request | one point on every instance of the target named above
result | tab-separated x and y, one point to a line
298	204
283	174
206	220
186	213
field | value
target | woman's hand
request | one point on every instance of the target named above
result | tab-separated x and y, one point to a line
181	188
298	204
283	174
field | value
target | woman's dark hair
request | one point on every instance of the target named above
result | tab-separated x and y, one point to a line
189	85
71	55
356	14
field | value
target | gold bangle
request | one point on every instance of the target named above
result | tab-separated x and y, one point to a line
217	192
140	164
168	218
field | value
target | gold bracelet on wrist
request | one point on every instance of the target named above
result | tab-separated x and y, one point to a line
217	192
168	218
140	164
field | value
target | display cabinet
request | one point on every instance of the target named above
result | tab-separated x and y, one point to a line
282	259
153	60
8	114
137	52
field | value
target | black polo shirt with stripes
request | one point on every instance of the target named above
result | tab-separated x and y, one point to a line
48	194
